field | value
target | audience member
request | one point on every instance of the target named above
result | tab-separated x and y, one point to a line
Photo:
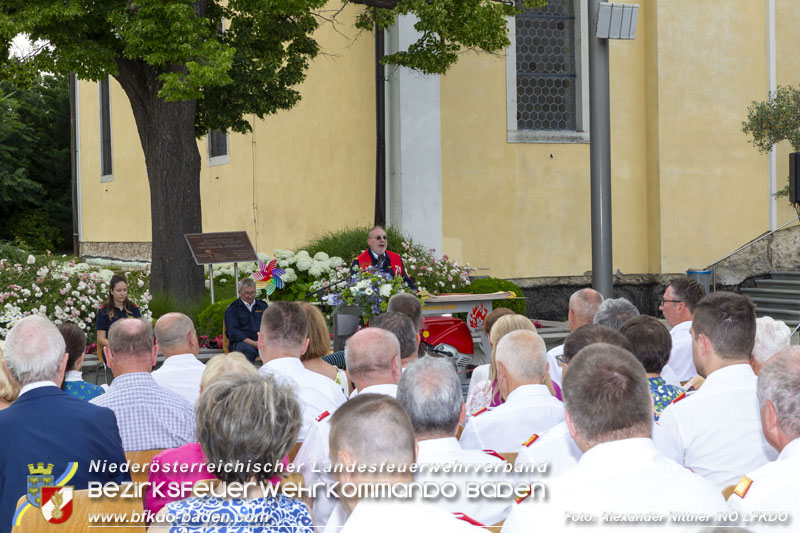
117	307
430	392
75	341
614	312
403	329
224	364
583	305
609	414
409	305
528	408
772	336
9	389
373	361
47	425
716	432
243	319
248	421
677	304
319	345
774	486
483	391
282	341
181	370
651	345
149	417
374	430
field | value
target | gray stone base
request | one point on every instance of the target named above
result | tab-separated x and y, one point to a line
126	251
778	252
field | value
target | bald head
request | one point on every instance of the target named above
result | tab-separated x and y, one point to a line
583	305
130	346
372	357
34	351
175	334
523	355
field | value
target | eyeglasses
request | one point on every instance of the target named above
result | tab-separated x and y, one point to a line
662	302
561	359
381	237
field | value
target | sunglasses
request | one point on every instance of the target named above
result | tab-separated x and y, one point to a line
381	237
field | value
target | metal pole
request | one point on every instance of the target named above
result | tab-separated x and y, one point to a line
211	280
600	158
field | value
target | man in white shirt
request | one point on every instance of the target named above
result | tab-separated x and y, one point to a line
716	432
373	362
609	414
430	392
583	305
528	408
677	304
403	328
774	486
373	430
181	370
772	336
282	339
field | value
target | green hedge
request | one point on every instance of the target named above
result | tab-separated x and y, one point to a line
489	285
210	319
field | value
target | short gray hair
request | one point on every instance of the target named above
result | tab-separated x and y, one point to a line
430	392
173	329
584	304
779	383
34	350
409	305
614	312
370	352
247	419
403	329
131	337
523	354
771	337
245	282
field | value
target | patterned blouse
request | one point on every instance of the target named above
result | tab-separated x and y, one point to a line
74	385
663	394
215	515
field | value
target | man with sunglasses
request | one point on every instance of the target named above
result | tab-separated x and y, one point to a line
377	255
678	304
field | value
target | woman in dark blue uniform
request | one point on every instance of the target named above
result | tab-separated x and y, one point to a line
117	307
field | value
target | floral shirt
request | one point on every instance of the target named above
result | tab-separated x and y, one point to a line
663	394
212	514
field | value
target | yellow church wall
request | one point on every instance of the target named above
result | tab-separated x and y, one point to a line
787	72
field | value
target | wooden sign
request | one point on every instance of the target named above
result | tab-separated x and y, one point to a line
222	247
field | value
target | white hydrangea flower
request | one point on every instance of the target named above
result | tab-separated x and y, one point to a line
386	290
321	256
289	276
106	275
335	261
303	263
315	269
264	257
302	253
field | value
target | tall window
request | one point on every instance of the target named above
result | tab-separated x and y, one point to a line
218	148
106	168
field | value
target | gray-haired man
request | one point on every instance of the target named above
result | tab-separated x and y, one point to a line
243	319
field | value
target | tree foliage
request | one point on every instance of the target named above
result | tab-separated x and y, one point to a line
774	120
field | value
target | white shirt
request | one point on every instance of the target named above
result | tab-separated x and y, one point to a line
774	486
403	517
315	453
669	375
716	432
555	367
181	373
623	476
680	358
315	393
36	385
528	409
556	447
487	511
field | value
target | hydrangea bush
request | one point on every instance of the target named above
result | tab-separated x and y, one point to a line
62	290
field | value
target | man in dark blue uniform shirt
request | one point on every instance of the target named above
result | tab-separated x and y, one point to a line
243	320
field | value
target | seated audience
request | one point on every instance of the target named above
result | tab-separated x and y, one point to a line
319	345
774	486
772	336
9	389
486	393
677	304
430	392
528	407
609	414
243	420
716	432
282	341
651	345
583	305
75	341
481	372
47	425
181	371
403	328
373	361
149	417
224	364
374	430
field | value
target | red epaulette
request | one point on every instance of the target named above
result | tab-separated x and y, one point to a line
743	486
322	416
678	398
530	441
494	453
521	498
468	519
479	411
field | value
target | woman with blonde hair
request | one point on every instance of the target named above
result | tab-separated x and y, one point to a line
9	389
484	392
319	344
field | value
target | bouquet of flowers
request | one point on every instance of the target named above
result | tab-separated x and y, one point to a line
435	275
369	289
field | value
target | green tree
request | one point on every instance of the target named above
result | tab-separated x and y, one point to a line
184	76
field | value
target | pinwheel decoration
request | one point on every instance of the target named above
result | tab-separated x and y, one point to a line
268	276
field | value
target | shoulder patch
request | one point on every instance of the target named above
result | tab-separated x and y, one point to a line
479	411
322	416
523	495
495	454
531	440
468	519
743	486
678	398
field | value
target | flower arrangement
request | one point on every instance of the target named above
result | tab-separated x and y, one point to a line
369	289
206	342
435	275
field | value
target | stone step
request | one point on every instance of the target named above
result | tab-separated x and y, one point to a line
778	312
778	284
783	294
782	303
785	275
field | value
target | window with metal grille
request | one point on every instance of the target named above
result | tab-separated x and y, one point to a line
546	67
106	168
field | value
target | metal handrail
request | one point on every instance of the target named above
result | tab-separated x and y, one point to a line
749	244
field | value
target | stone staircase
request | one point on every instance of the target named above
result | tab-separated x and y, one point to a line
778	297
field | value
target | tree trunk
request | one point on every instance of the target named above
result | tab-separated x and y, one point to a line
166	131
